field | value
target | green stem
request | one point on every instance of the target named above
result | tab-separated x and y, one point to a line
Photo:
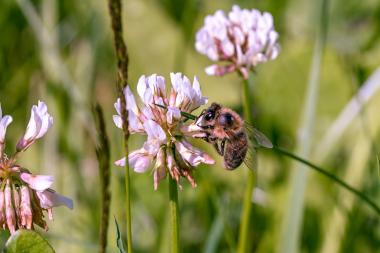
247	204
128	206
324	172
115	10
173	203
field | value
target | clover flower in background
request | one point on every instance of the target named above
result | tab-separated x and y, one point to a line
243	39
24	196
167	133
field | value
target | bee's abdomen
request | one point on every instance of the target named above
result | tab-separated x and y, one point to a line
236	150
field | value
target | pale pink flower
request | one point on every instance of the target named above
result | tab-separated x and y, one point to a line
40	121
4	122
243	39
164	126
37	182
49	199
24	196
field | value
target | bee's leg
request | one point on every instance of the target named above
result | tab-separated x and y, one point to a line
209	139
220	148
222	144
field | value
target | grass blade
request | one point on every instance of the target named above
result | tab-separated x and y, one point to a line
119	240
291	228
378	165
103	156
215	234
115	10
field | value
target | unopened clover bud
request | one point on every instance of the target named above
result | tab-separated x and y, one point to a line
2	210
9	210
25	208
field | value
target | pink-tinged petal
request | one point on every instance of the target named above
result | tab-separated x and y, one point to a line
159	168
131	102
134	123
49	199
154	131
150	88
172	166
9	210
4	123
120	162
157	84
151	147
158	175
25	208
193	130
172	114
192	155
141	86
39	123
212	70
227	48
34	125
139	160
47	120
37	182
117	120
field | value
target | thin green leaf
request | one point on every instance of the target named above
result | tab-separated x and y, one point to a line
119	241
332	177
27	241
215	234
184	114
378	165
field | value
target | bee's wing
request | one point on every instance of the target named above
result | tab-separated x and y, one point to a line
250	159
257	137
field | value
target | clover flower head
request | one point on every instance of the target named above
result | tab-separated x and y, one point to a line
23	196
159	117
243	38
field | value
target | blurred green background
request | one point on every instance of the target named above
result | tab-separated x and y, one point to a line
62	53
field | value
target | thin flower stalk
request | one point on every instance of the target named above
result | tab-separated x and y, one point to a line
250	183
239	42
115	10
25	197
174	216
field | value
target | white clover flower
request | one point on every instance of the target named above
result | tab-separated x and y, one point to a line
166	146
24	196
244	38
40	121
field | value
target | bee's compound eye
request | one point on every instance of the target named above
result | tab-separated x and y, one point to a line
209	116
226	119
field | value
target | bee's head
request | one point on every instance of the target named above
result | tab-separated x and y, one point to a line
208	117
226	120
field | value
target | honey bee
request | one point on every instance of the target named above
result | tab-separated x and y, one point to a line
226	130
